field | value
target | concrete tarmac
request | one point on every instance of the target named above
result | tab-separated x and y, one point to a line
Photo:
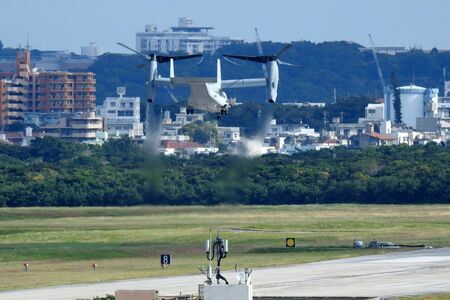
417	272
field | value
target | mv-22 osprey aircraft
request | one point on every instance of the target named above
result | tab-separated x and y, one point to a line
207	92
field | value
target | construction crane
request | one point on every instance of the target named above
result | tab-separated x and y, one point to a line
375	57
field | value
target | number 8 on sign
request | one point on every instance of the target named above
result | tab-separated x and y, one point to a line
166	259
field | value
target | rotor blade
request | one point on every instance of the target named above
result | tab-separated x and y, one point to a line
187	56
280	62
193	65
260	59
137	52
163	59
284	49
199	62
171	94
232	62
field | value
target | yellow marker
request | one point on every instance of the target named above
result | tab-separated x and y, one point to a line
290	242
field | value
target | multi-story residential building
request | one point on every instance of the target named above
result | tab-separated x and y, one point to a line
83	127
62	92
2	100
283	130
15	91
44	91
229	135
169	129
122	115
183	38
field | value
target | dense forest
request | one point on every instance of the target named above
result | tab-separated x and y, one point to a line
56	173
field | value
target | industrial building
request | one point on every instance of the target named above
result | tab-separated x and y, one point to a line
416	102
122	115
35	90
185	38
422	110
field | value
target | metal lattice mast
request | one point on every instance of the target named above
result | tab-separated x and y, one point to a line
375	57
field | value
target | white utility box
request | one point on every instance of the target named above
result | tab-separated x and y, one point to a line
227	292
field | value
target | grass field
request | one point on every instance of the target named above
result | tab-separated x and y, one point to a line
60	244
429	297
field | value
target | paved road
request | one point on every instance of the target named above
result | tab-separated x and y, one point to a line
406	273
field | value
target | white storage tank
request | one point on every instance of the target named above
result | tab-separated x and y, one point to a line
413	98
413	101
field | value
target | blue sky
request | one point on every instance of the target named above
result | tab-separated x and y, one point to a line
69	24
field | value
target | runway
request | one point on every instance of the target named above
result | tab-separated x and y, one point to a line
403	273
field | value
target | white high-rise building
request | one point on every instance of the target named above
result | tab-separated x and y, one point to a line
92	50
122	115
185	38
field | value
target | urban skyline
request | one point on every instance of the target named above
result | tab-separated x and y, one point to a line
71	25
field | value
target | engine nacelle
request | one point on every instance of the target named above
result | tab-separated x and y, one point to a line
272	81
151	81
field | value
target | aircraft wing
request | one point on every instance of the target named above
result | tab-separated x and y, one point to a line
165	81
192	80
162	81
243	83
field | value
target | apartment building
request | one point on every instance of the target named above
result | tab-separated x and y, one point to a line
44	91
62	92
122	115
83	127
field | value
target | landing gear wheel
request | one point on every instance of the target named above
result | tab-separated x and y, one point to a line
190	110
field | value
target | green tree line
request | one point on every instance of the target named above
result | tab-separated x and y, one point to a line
55	173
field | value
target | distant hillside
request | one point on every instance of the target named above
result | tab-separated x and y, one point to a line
323	67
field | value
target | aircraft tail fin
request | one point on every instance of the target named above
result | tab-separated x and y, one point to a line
172	69
219	72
